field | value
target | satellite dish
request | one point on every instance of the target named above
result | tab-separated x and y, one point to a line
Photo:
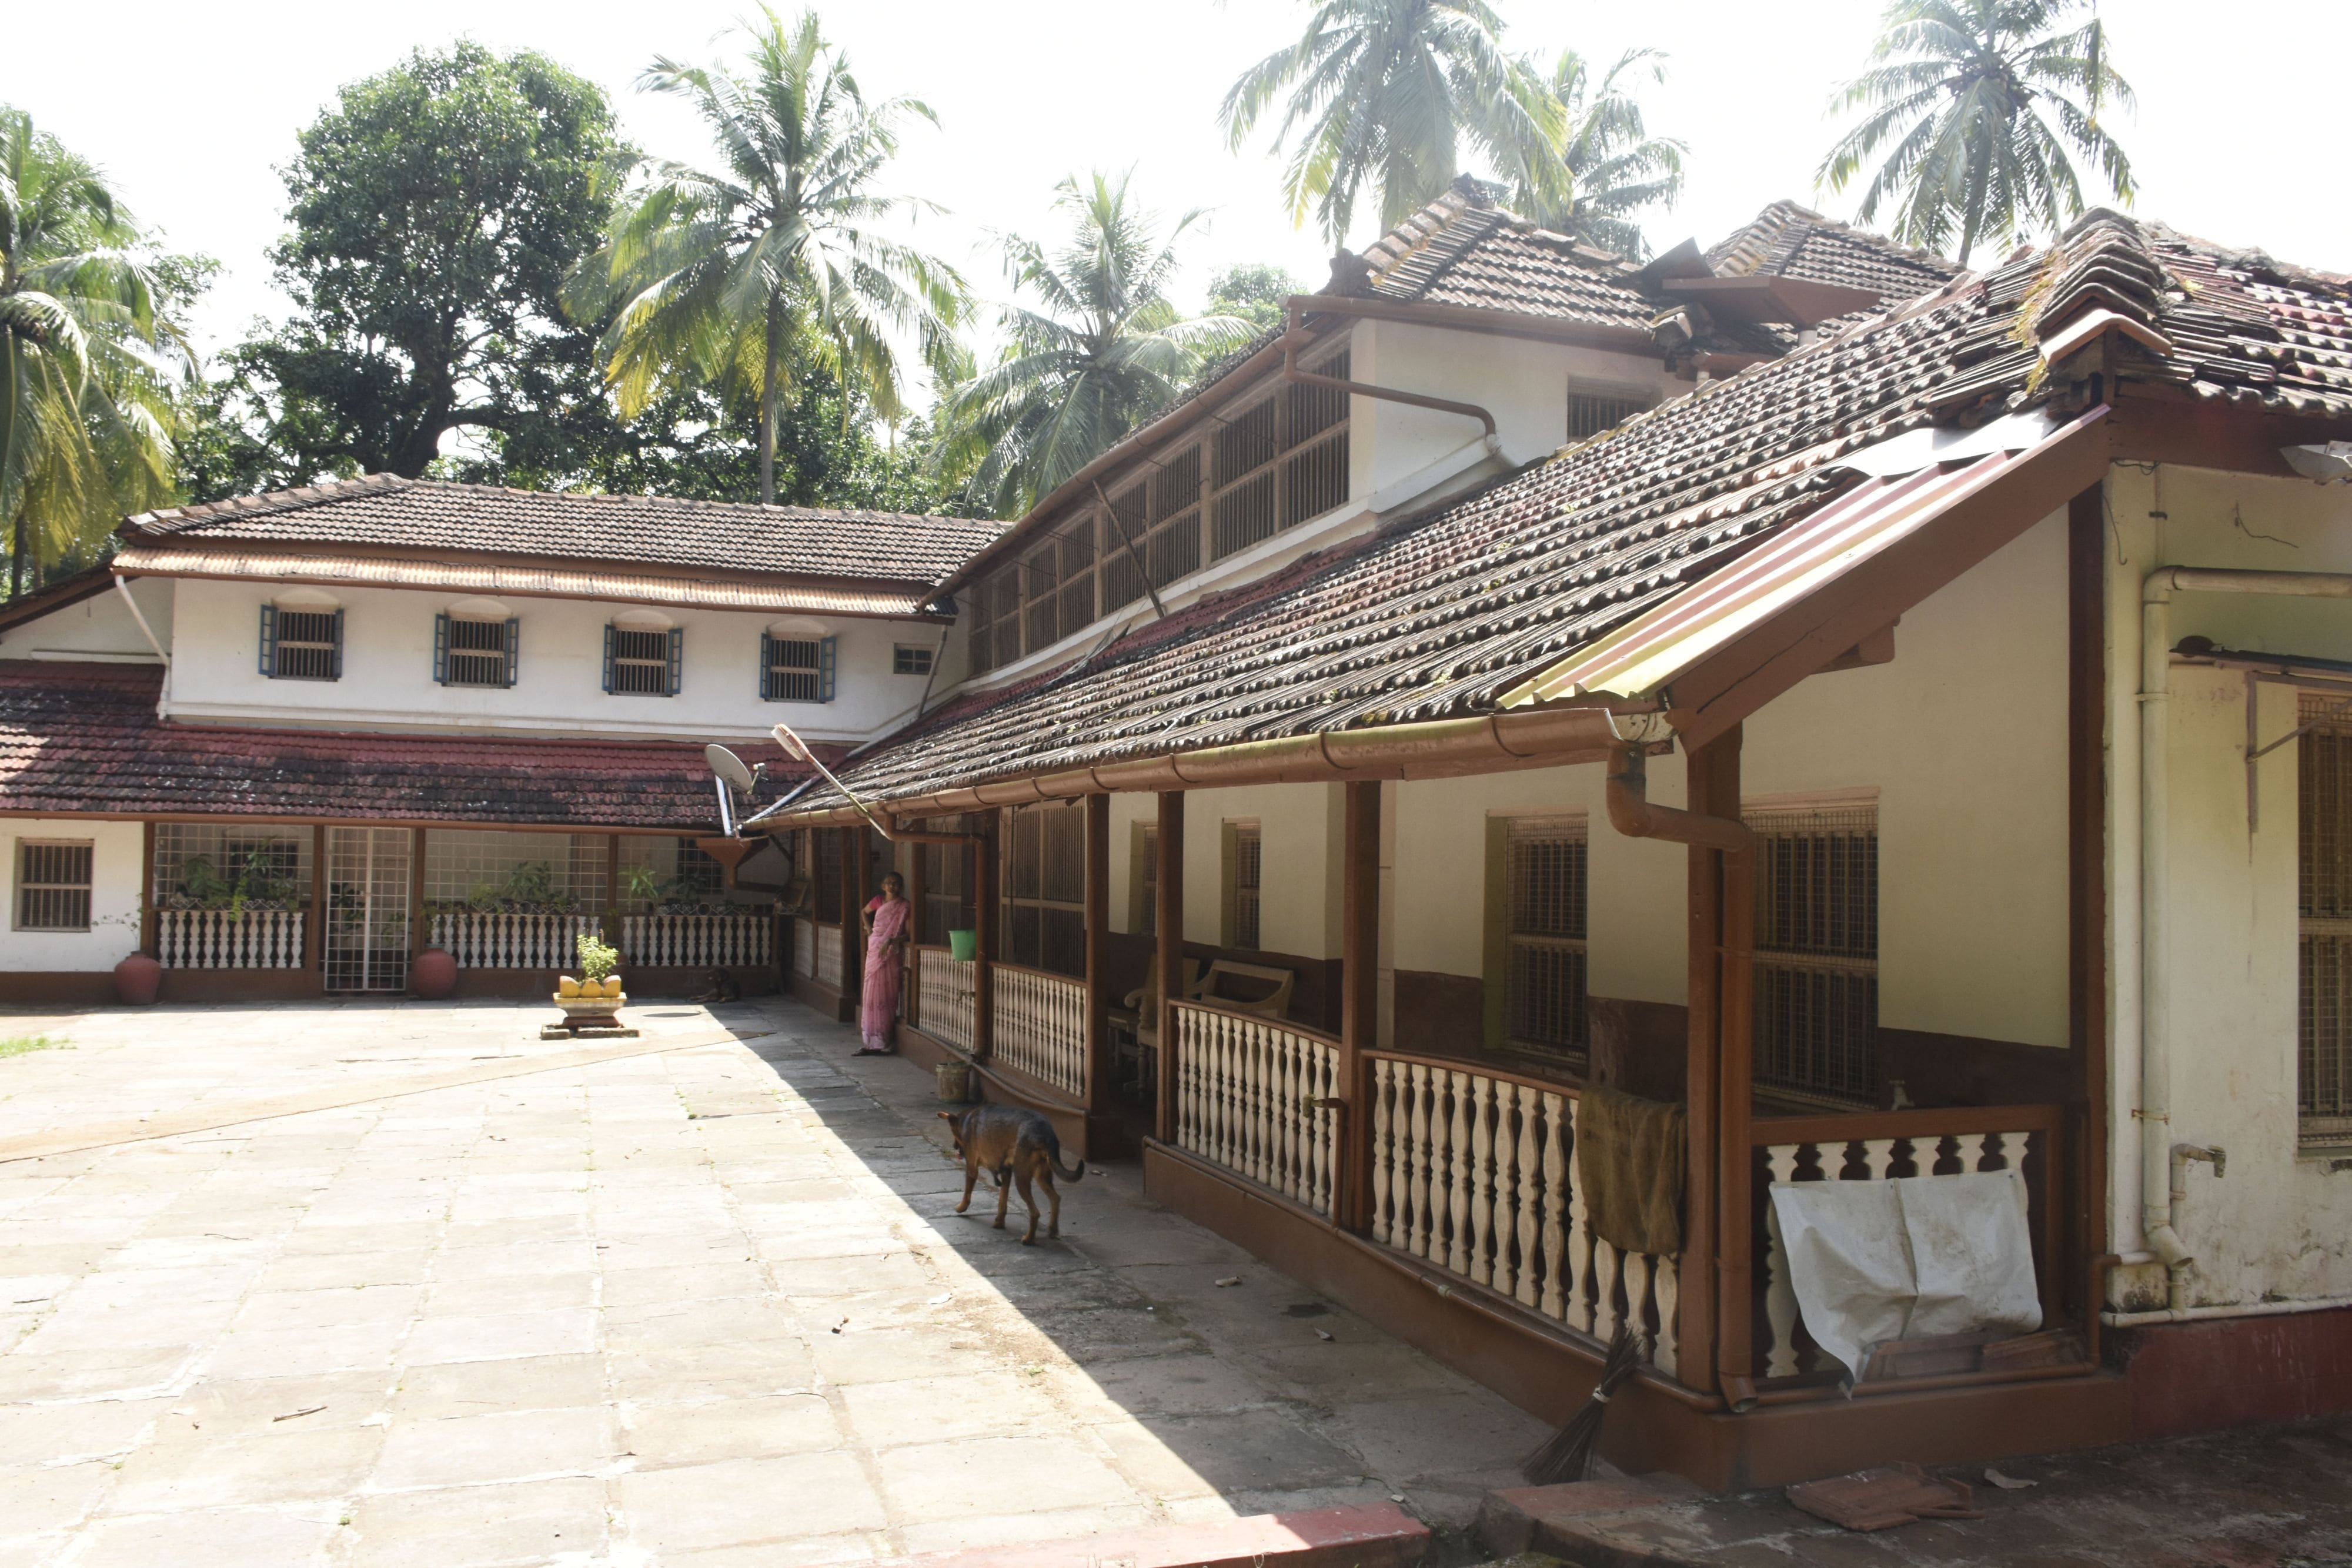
729	767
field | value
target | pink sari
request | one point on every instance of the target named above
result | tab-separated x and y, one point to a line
877	1006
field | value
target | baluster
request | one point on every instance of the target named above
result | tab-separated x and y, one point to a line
1635	1273
1276	1047
1417	1155
1559	1286
1668	1288
1269	1108
1481	1185
1579	1230
1327	1129
1507	1144
1458	1182
1531	1277
1383	1153
1977	1150
1779	1292
1605	1314
1879	1158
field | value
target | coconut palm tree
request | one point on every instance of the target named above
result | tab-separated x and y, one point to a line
1100	353
1980	101
87	365
1617	168
1389	92
732	277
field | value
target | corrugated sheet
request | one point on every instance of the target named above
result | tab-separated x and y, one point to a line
528	582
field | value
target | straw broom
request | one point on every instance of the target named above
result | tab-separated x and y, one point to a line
1569	1454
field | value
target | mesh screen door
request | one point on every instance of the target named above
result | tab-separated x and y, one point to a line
1817	951
366	947
2322	1078
1545	931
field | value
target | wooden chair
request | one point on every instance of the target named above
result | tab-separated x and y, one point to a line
1138	1019
1259	990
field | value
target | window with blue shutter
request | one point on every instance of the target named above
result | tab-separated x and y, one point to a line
643	663
476	652
676	658
795	669
441	649
301	644
824	669
269	640
609	634
514	648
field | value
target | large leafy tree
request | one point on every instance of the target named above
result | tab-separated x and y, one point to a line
89	360
1390	94
1099	351
1254	291
436	209
1616	167
746	277
1981	107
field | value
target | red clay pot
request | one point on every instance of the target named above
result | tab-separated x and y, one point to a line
435	975
135	980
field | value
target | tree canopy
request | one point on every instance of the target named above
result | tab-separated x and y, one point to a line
1616	168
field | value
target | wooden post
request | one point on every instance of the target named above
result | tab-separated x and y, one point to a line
983	932
854	895
314	929
1170	918
1098	1063
918	891
1702	1075
147	890
1359	1001
2086	716
1718	765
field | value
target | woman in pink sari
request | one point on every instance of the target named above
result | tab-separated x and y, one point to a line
885	922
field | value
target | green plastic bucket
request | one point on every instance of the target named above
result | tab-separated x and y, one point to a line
963	946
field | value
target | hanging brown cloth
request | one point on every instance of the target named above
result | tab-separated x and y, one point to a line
1629	1156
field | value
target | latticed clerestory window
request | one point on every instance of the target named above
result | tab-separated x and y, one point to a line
2322	1078
1244	878
1817	951
1544	934
1043	851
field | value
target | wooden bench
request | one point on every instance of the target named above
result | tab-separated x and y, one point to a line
1259	990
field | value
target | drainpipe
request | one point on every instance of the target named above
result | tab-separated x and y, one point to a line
2163	1165
1291	373
1630	813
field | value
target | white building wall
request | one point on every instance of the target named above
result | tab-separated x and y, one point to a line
99	628
388	683
118	855
2277	1229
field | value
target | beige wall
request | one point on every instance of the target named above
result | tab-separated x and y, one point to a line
118	854
1299	898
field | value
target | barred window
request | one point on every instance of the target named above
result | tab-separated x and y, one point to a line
496	872
477	652
643	663
1591	412
201	865
1244	877
301	644
1045	886
831	886
947	882
910	659
52	885
1817	951
2322	1078
1544	934
796	669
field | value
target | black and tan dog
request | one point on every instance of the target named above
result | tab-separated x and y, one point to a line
1012	1141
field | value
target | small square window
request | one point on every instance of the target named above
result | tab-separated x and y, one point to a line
478	654
52	885
796	669
640	662
910	659
302	645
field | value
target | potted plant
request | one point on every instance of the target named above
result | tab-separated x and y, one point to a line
596	993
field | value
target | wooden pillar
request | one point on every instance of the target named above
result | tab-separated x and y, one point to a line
918	894
854	895
147	889
1703	943
1718	1239
1359	1000
1169	918
2086	789
1098	1063
984	938
314	928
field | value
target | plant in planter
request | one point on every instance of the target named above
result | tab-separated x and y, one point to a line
596	992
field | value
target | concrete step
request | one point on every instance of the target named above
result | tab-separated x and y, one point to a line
1359	1535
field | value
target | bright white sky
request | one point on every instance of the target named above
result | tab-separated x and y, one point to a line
190	108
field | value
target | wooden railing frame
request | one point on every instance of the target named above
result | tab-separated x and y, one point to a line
1076	1046
1277	1134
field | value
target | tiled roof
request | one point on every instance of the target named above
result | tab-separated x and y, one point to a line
78	738
1438	616
387	512
1789	241
1462	251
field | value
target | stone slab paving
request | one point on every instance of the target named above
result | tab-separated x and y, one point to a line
705	1306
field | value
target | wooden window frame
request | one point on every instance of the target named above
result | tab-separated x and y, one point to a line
1241	918
2323	1072
1516	960
63	892
278	621
1053	910
1595	408
1816	951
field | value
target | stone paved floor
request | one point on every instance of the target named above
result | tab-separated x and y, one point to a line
705	1306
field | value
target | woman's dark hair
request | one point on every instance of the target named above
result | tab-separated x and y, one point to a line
890	876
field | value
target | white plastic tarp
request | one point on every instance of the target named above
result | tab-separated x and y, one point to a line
1908	1259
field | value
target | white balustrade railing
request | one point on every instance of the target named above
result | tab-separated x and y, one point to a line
1040	1026
1249	1097
828	957
804	945
1865	1157
481	939
700	941
1475	1173
943	992
223	939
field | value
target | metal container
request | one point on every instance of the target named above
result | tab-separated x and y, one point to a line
955	1082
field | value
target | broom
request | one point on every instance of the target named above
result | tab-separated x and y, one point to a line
1568	1453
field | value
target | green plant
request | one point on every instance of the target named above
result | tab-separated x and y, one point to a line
18	1045
202	881
598	958
645	887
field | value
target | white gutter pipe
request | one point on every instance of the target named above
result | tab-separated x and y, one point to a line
2164	1165
122	586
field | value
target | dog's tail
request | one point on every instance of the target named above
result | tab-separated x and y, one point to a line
1054	1153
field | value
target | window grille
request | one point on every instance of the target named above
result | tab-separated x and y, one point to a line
1816	998
200	864
1044	891
366	940
301	644
1041	578
828	874
1173	548
910	659
1077	600
1249	865
1545	933
1590	413
475	652
796	669
491	872
681	873
52	885
1126	539
643	663
947	883
2324	1002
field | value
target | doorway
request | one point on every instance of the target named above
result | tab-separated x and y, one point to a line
367	934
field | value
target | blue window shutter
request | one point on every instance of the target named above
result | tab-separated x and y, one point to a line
269	640
767	667
514	647
338	644
441	648
824	669
677	657
608	660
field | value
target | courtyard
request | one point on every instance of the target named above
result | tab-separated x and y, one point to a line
399	1283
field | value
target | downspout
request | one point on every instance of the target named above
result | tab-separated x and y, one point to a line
1291	373
1630	813
2163	1164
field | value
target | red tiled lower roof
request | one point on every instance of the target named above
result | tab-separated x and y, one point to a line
83	738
